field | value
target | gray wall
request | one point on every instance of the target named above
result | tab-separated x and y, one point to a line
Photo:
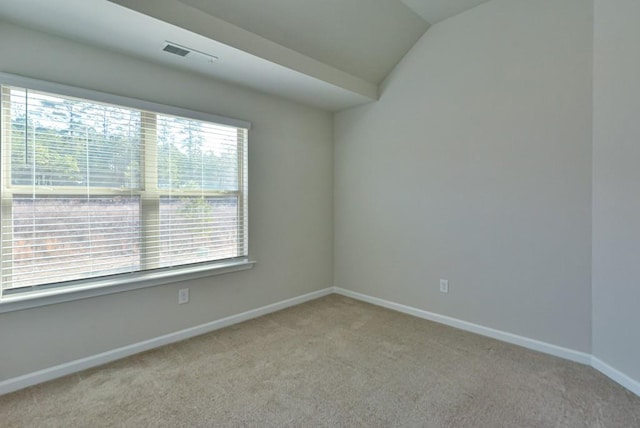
290	201
475	166
616	186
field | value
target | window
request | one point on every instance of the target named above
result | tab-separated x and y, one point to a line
94	186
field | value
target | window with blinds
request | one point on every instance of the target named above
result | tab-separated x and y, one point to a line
93	189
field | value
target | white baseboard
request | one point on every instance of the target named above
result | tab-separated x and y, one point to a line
51	373
536	345
547	348
616	375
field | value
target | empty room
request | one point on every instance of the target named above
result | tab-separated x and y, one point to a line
357	213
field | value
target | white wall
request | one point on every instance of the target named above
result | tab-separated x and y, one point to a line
475	166
290	185
616	186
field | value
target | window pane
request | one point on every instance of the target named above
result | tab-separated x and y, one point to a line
91	189
196	155
197	229
58	239
58	141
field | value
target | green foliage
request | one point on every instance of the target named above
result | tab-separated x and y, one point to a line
196	209
71	143
64	142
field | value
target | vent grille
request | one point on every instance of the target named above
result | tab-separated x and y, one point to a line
193	56
175	50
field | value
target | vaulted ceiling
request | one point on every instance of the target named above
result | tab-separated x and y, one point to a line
365	38
328	53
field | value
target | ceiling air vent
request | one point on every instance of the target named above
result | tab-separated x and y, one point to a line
171	48
188	53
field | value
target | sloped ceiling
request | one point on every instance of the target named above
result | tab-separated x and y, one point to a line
434	11
365	38
327	53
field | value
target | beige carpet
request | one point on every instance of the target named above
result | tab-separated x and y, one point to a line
332	362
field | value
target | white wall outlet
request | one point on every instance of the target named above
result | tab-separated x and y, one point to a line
183	296
444	285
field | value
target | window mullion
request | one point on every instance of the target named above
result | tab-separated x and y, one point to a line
150	198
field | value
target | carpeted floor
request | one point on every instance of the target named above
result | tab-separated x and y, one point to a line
332	362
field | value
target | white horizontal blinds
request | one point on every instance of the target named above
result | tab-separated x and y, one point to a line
63	142
92	189
58	238
198	193
72	187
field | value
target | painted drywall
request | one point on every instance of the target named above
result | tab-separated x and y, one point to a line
290	208
475	166
616	184
365	38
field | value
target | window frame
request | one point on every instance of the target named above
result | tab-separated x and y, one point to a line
149	193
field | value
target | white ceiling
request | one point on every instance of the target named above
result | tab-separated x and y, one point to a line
326	53
434	11
365	38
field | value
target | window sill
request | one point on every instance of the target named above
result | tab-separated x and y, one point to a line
118	284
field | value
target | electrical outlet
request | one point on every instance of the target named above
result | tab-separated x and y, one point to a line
183	296
444	285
